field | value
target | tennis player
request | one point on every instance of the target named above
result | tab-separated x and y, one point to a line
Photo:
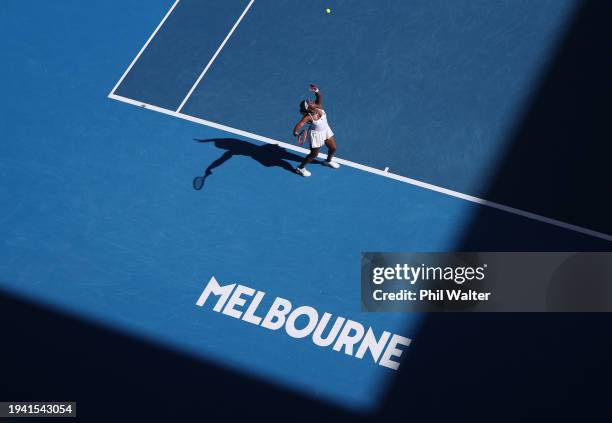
319	133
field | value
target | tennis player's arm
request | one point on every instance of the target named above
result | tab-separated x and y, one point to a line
299	125
317	93
319	99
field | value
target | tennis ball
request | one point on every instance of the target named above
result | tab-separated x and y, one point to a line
328	10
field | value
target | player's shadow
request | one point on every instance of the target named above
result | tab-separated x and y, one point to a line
268	155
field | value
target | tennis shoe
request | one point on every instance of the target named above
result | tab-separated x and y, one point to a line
332	164
302	172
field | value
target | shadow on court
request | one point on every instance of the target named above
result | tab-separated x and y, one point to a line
557	158
268	155
506	367
460	367
532	366
47	355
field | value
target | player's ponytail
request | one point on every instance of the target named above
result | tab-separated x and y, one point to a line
304	107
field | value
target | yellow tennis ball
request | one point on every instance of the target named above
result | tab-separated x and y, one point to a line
328	10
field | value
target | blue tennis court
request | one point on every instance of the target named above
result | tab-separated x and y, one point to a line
99	219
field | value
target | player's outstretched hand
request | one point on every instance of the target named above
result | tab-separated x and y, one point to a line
314	88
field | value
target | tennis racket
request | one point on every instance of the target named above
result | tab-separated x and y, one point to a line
302	136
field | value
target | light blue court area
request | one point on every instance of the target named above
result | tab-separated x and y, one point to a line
98	215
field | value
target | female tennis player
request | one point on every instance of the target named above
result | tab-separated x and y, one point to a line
319	132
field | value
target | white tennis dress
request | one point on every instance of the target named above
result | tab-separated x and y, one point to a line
319	131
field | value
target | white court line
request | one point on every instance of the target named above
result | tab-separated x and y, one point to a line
369	169
210	62
144	47
385	173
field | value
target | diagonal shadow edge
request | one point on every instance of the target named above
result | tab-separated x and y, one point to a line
51	355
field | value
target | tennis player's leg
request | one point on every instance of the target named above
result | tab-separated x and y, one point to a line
314	152
331	150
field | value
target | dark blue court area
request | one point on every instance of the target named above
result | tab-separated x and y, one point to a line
479	97
105	245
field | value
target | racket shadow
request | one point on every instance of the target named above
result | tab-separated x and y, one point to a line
268	155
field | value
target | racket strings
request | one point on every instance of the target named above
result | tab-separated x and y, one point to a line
302	137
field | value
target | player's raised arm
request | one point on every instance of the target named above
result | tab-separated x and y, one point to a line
319	97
